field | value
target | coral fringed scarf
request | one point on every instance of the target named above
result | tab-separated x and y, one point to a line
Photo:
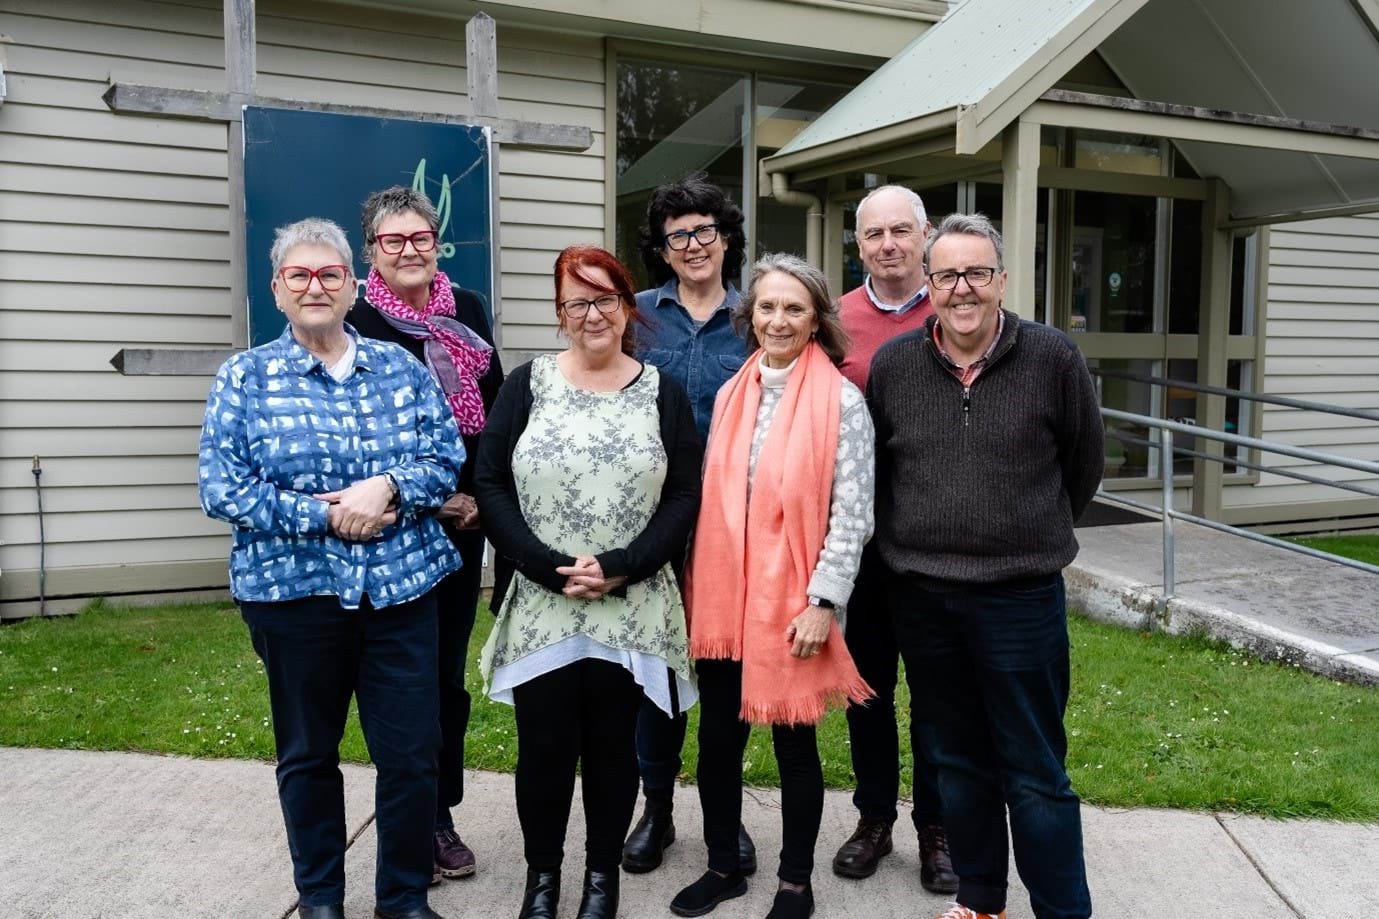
750	568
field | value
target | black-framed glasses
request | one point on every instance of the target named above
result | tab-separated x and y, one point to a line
297	278
608	304
393	243
680	239
947	279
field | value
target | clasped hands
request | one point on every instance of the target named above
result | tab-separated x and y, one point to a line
584	579
361	511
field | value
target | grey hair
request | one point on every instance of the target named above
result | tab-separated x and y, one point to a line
967	225
390	201
830	336
914	200
313	231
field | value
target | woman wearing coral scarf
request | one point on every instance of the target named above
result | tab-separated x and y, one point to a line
787	507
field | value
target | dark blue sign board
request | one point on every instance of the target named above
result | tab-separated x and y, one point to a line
314	164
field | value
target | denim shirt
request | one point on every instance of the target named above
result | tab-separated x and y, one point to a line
701	359
280	429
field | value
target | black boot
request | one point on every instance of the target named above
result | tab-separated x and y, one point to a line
653	834
542	896
792	904
600	900
746	852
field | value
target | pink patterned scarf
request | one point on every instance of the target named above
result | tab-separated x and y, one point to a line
456	355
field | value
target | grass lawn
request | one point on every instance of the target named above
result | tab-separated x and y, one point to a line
1154	720
1362	547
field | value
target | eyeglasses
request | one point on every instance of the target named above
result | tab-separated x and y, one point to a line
393	243
298	278
704	235
948	279
608	304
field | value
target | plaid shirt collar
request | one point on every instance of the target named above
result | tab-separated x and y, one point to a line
966	375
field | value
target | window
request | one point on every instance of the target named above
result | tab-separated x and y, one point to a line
674	119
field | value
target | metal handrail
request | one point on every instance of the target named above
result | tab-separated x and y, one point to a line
1168	513
1263	398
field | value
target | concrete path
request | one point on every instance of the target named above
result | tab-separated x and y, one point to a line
1279	604
86	835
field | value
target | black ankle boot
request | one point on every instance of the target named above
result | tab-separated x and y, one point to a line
542	896
653	834
600	900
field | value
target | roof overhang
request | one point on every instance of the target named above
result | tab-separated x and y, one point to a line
1240	95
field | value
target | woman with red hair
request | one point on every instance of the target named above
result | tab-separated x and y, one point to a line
588	484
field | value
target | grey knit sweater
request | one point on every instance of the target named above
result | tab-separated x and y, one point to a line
982	484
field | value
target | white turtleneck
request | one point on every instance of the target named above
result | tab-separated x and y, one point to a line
850	516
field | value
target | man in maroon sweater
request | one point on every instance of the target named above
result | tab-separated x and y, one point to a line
894	299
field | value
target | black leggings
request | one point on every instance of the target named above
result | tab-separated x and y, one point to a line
585	713
722	740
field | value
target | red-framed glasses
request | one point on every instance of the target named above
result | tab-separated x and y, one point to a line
297	278
393	243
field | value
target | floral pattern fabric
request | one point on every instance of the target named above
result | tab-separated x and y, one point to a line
589	469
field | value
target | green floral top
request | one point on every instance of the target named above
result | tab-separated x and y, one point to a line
589	469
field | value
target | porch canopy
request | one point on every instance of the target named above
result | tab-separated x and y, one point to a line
1273	99
1272	103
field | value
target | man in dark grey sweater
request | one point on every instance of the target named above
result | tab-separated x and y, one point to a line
989	444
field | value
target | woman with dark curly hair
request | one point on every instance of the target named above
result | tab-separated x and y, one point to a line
692	246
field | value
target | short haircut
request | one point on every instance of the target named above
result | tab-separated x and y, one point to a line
313	231
967	225
830	336
694	194
395	200
915	201
570	264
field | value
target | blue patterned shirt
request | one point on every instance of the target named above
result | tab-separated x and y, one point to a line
280	429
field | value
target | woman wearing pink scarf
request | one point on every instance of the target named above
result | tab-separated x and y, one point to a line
408	301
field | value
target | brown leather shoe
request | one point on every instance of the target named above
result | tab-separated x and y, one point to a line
935	867
454	859
859	856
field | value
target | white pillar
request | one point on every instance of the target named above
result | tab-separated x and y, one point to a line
1214	314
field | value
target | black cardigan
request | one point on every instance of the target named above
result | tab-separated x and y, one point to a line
469	309
666	534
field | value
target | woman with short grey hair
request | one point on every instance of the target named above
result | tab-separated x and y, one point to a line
336	553
410	302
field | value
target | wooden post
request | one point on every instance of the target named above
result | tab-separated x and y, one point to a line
1215	317
481	75
240	67
1020	203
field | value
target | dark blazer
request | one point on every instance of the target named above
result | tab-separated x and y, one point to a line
469	309
662	541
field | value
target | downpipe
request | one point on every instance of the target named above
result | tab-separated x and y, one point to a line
813	216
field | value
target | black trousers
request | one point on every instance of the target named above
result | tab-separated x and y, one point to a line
317	654
584	714
457	597
872	726
722	740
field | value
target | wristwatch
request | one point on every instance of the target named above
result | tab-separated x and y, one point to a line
821	603
392	483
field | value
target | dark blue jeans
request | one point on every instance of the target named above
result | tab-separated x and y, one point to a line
457	597
992	661
872	726
316	655
660	737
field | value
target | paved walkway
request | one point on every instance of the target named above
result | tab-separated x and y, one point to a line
147	837
1280	604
